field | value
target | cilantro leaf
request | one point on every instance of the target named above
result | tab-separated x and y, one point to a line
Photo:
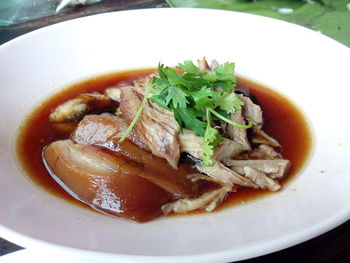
202	98
212	138
229	102
161	71
189	118
175	79
225	72
224	85
189	67
177	97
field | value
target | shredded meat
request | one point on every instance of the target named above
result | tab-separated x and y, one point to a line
203	64
261	137
224	175
208	201
213	64
237	134
251	111
227	149
273	168
261	179
191	143
265	152
156	125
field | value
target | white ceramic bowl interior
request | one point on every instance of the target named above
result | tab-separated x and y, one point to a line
310	69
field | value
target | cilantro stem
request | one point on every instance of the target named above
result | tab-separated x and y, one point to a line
218	115
208	118
138	113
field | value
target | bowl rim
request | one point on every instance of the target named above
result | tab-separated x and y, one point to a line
244	253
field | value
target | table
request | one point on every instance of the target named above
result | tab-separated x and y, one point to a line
333	246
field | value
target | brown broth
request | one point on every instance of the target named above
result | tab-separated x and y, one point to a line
283	121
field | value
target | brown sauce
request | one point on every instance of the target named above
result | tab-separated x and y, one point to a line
283	121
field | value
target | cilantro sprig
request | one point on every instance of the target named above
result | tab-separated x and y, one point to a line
197	98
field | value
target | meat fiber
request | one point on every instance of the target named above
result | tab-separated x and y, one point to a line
273	168
237	134
156	125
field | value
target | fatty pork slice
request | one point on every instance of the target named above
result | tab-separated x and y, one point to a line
105	182
156	125
105	130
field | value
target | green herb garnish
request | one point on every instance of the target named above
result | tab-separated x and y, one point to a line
196	97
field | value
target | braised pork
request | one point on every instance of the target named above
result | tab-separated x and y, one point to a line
105	130
105	182
156	125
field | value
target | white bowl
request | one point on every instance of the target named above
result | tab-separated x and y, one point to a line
309	68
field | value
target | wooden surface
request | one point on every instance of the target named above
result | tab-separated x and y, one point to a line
333	246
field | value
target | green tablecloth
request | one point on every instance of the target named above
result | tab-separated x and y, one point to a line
330	17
